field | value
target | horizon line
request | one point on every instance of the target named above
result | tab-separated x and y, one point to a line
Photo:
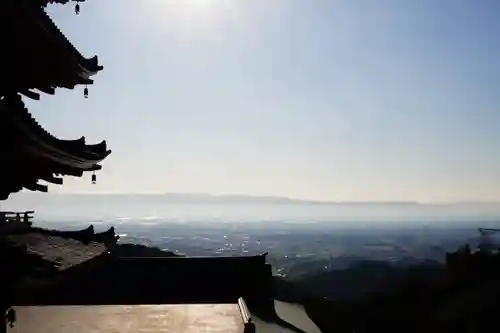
275	197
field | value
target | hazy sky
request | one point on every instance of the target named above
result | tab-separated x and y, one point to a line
341	100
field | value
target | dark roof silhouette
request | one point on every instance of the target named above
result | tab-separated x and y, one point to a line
39	55
37	58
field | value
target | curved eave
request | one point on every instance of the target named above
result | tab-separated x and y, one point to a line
37	146
89	66
46	59
86	72
74	148
36	140
35	17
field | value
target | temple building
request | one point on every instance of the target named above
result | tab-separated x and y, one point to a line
44	271
39	59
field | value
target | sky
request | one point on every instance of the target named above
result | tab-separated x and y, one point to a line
351	100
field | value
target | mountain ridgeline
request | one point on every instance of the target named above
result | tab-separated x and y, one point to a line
192	198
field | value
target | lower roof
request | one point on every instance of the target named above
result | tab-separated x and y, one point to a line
63	253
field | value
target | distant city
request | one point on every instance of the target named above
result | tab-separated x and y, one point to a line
300	236
322	255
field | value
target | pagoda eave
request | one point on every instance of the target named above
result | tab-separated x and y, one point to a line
26	144
45	51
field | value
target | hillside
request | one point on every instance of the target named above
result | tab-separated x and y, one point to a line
461	296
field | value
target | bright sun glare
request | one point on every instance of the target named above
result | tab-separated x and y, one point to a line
198	2
189	15
193	5
184	8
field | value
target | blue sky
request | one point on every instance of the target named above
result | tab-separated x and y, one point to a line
333	100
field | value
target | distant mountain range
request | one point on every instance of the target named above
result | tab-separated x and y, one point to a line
250	199
203	198
197	198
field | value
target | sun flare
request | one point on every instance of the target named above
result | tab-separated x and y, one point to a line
198	3
183	9
189	17
193	5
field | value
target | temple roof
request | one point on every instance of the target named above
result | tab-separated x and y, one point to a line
35	259
45	59
62	253
37	57
29	153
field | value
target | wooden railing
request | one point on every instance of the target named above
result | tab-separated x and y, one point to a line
19	217
15	222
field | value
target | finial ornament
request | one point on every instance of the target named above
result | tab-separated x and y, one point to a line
10	317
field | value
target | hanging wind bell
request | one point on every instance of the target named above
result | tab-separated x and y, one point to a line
77	6
86	92
94	178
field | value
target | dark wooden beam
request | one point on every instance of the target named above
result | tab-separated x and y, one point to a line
31	94
36	187
48	90
53	180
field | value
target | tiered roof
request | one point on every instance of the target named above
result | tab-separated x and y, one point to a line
38	58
